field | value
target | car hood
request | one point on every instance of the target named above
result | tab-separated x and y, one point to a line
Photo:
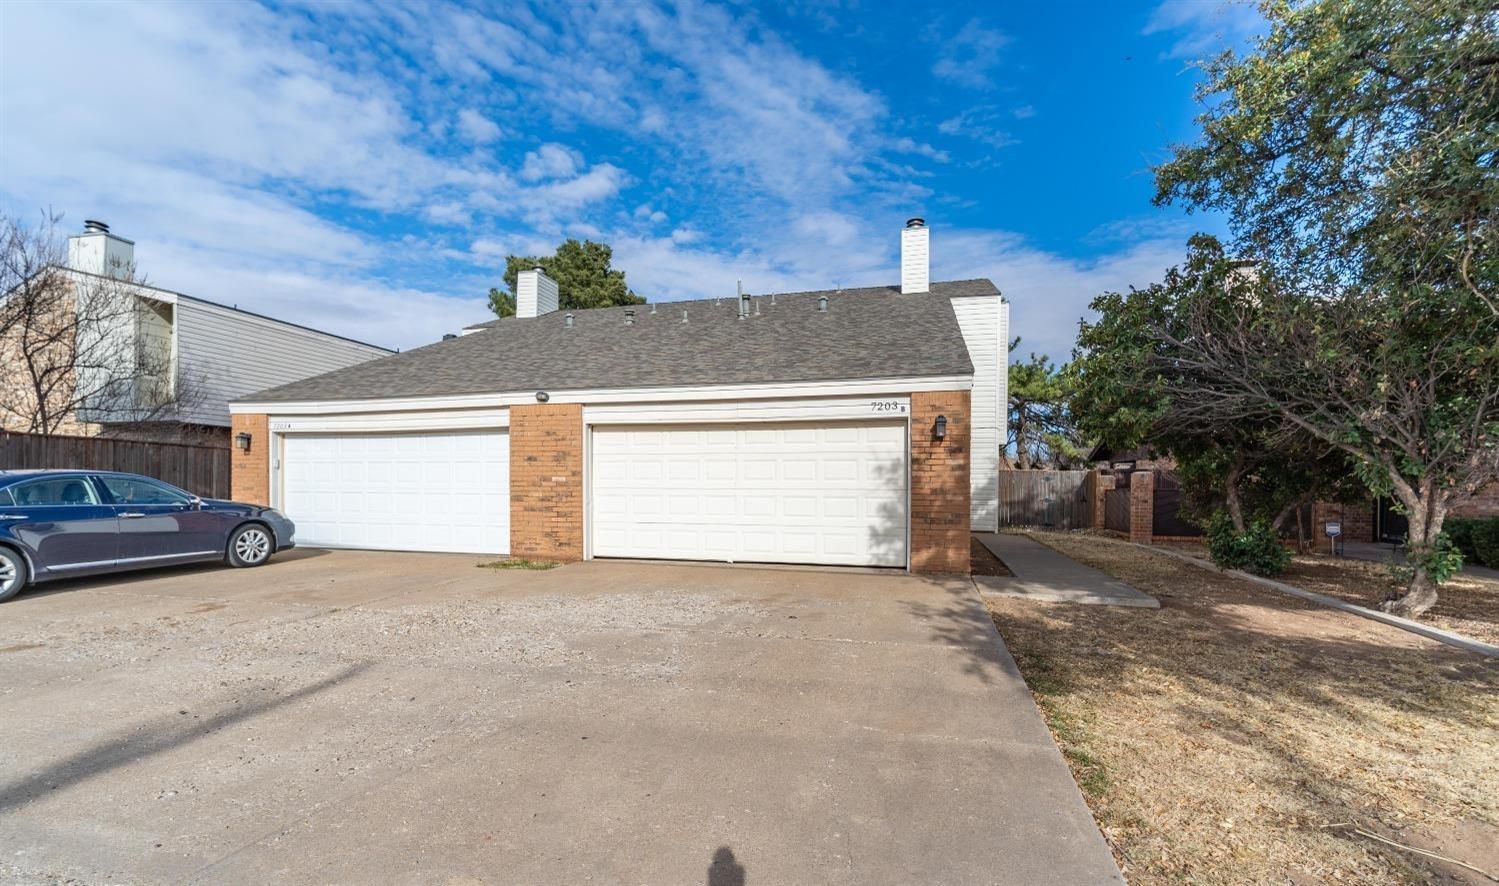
219	504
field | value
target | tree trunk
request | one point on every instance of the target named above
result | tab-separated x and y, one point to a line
1231	498
1426	509
1022	447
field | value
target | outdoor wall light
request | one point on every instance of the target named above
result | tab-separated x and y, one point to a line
242	441
542	396
939	430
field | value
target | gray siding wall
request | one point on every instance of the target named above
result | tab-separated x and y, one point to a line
226	354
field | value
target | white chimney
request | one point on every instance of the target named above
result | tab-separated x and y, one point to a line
915	257
535	293
97	251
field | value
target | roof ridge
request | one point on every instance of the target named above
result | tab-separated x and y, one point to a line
891	288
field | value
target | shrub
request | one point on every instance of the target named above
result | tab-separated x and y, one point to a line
1256	549
1477	539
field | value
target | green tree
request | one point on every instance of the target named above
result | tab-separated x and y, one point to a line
1041	431
583	274
1354	154
1134	387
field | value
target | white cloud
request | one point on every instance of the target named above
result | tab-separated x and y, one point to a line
489	247
969	56
1204	27
911	146
982	124
476	127
644	211
1048	293
550	161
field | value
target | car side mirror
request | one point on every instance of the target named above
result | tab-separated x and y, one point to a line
195	503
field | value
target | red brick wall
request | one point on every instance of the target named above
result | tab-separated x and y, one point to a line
1142	507
1357	520
546	481
940	483
1484	504
250	472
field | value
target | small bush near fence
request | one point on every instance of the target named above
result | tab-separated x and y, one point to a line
1477	538
1256	550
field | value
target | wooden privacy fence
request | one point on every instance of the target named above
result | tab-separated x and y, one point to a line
1042	498
201	470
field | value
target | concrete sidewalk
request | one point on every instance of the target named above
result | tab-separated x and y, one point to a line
1043	574
1384	552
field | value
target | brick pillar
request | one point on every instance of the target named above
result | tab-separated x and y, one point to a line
1142	506
940	488
546	481
250	471
1097	486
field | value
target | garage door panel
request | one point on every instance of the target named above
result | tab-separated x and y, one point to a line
424	492
800	493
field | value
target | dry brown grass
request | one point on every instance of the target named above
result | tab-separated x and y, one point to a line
1219	736
1466	604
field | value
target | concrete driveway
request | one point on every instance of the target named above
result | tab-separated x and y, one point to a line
352	717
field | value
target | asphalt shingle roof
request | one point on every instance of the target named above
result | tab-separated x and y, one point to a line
872	332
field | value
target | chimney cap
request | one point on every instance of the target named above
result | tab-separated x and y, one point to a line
93	226
917	222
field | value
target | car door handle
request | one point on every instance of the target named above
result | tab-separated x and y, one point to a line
129	514
12	517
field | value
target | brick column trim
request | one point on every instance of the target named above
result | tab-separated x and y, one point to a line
1096	486
250	471
940	489
1142	506
546	481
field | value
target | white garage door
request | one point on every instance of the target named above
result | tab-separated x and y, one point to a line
406	492
769	493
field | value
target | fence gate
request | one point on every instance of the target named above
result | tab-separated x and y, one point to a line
1042	498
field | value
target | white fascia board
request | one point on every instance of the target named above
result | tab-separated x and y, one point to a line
891	407
839	388
392	422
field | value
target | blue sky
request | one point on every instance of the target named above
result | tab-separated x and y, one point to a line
365	169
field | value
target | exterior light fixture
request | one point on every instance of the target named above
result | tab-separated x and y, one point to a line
542	396
939	428
242	441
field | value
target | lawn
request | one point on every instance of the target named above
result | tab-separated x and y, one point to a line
1466	604
1231	735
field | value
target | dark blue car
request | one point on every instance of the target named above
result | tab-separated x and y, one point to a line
58	524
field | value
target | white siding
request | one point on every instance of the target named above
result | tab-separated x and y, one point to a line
984	321
227	353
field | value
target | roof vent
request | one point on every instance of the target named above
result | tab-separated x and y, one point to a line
915	222
567	320
684	315
629	316
822	304
448	336
744	300
90	226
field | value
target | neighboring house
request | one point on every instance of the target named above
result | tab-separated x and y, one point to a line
853	427
181	358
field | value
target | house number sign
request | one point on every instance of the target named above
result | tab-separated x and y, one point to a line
887	407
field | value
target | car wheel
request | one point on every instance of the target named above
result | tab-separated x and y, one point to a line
249	545
13	573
